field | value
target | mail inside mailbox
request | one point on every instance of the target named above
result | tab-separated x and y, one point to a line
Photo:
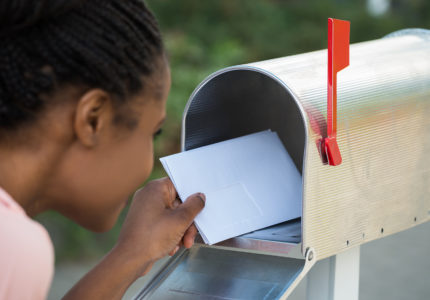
250	183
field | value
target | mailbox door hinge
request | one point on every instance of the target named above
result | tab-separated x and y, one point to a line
310	259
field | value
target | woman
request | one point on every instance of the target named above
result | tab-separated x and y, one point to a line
83	89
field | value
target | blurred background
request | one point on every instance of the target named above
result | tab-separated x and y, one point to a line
204	36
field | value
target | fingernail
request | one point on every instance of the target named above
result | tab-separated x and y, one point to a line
202	196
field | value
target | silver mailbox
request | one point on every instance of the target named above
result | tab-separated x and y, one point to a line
381	187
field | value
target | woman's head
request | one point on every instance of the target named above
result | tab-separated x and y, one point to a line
83	84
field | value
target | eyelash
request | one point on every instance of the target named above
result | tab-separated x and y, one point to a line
160	131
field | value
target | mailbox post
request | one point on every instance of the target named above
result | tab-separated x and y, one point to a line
381	187
336	277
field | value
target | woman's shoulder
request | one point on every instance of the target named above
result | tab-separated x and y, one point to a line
20	234
26	255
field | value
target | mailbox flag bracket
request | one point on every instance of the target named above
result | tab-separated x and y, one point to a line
338	59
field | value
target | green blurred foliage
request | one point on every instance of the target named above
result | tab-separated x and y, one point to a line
204	36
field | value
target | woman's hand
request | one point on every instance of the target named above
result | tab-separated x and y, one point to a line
155	225
158	223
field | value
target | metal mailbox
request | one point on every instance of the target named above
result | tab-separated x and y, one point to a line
381	187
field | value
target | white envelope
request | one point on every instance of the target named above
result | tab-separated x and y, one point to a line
250	183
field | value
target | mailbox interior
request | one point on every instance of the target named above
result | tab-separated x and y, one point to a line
242	100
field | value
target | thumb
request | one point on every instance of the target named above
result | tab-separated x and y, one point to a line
191	207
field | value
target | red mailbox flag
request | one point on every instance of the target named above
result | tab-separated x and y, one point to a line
338	59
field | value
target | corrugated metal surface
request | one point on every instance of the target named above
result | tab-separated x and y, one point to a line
383	184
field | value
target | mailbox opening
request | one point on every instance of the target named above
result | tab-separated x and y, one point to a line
238	101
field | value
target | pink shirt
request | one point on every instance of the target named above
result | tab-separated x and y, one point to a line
26	254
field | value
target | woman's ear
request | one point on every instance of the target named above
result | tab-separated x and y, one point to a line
93	115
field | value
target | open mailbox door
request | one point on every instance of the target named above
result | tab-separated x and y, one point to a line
210	273
382	185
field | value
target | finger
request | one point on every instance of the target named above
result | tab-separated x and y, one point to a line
170	192
171	187
190	236
173	252
176	203
146	269
161	191
187	211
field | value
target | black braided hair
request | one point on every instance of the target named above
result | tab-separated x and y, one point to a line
107	44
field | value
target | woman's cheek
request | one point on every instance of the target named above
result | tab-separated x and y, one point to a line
149	160
146	159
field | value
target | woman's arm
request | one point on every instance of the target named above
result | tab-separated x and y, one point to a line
109	279
154	226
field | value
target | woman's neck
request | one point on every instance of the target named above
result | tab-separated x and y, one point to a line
23	173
